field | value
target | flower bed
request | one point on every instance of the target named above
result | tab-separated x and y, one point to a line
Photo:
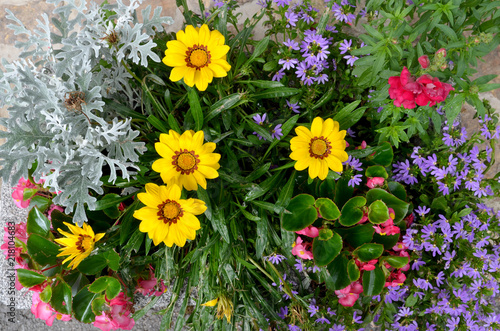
309	180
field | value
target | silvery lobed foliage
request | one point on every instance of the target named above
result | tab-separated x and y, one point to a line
74	142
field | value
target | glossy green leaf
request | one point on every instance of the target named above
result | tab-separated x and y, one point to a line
383	156
325	251
338	272
278	92
400	207
109	284
219	224
61	297
110	200
387	241
357	235
76	280
42	250
29	278
302	213
378	212
439	203
95	263
327	208
46	294
223	104
398	190
157	123
82	305
373	281
42	203
353	271
397	261
325	234
368	252
376	171
195	108
351	212
37	223
99	306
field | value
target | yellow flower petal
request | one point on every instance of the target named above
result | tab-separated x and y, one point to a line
317	127
210	303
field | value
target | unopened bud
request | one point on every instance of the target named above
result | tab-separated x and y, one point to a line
441	52
424	61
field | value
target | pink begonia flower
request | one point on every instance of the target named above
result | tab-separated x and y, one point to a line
363	145
409	220
399	247
368	266
118	316
301	250
17	195
9	246
424	61
388	228
349	295
310	231
147	287
364	218
396	278
375	182
52	208
45	312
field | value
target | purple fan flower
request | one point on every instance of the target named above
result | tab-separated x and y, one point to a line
417	264
276	132
351	59
356	318
323	320
277	76
283	312
288	63
354	163
298	265
351	133
313	309
291	44
282	3
275	258
345	46
291	18
355	180
422	210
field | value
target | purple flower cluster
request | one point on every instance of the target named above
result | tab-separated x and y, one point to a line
452	171
342	12
276	132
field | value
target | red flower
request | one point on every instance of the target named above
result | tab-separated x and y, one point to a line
403	89
424	61
433	91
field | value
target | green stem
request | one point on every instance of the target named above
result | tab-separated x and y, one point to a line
260	268
131	72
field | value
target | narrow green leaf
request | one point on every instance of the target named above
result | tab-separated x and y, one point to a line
158	124
274	93
195	107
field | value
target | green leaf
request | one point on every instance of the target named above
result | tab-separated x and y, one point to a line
398	190
46	294
76	280
29	278
61	298
40	202
325	251
82	305
357	235
174	125
37	223
99	306
124	111
383	155
264	84
110	200
378	212
258	50
454	106
302	213
464	212
28	193
158	124
373	281
387	241
439	203
274	93
376	171
42	250
400	207
195	108
223	104
219	224
411	300
110	284
338	272
368	252
353	271
287	191
351	212
327	208
397	261
95	263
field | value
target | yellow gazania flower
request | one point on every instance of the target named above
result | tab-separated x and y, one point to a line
197	55
319	149
224	307
186	161
167	217
210	303
79	243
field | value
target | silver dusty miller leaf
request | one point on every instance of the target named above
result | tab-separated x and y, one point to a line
54	94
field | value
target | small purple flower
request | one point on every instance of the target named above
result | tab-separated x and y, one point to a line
351	133
356	318
276	132
355	180
275	258
293	107
323	320
351	59
422	210
282	3
417	264
279	75
291	18
291	44
299	265
288	63
313	310
283	312
345	46
354	163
